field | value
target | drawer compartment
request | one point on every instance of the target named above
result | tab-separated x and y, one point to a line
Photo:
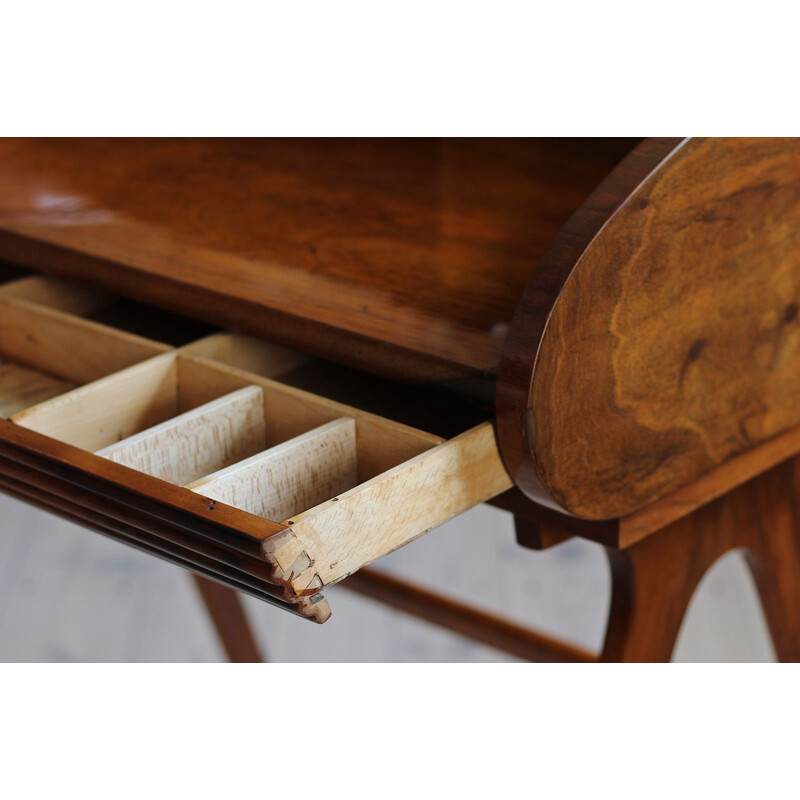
45	352
197	442
280	482
203	455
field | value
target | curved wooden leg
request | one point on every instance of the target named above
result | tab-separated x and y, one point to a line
228	614
651	585
780	599
774	555
654	580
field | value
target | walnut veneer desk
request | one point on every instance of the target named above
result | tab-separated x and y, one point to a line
600	336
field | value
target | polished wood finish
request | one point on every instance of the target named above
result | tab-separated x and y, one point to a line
666	319
402	257
625	531
654	580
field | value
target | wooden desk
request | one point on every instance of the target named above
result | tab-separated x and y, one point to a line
633	305
405	258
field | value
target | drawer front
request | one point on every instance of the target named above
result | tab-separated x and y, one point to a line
202	455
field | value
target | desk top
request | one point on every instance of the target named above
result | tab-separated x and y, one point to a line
405	258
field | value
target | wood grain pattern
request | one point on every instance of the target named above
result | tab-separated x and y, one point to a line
382	443
112	408
674	344
67	346
21	387
328	543
405	257
655	579
198	442
290	477
625	531
710	486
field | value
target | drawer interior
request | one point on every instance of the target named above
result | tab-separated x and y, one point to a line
320	487
45	351
108	309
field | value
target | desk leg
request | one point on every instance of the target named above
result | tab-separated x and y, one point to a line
224	606
653	580
773	529
651	586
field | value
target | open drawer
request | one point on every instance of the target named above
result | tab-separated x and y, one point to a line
205	454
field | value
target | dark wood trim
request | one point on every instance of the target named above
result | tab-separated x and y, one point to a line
130	536
277	325
135	490
654	580
167	534
464	619
229	617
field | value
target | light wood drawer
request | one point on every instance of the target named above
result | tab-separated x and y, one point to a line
203	455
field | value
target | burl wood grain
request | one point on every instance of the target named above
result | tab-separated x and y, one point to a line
401	257
675	342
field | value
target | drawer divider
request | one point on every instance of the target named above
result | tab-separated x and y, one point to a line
290	477
199	441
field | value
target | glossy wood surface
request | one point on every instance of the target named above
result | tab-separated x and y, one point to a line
668	315
653	581
406	258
